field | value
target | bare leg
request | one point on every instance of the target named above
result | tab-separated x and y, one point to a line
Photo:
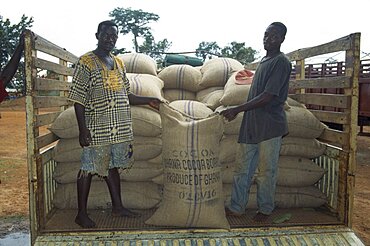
114	186
83	189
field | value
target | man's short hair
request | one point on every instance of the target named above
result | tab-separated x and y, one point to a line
106	23
281	28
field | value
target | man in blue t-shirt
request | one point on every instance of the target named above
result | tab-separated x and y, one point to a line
263	126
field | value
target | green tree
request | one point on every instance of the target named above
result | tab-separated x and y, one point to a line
239	52
9	37
154	49
208	48
133	21
235	50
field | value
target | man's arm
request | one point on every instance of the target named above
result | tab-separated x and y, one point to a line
140	100
84	137
11	67
257	102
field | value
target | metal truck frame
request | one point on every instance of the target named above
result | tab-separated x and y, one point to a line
46	99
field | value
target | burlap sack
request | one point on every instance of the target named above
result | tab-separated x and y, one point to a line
202	94
146	148
146	85
292	172
192	108
302	123
67	150
216	72
139	63
213	99
303	147
192	194
66	172
183	77
294	103
135	195
285	197
145	122
298	172
65	125
229	148
176	94
231	127
234	94
141	171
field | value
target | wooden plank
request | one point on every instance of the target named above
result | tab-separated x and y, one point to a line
331	100
333	117
51	66
328	82
46	119
47	155
50	101
337	138
51	85
48	47
340	44
46	139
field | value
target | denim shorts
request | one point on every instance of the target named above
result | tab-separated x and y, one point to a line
99	159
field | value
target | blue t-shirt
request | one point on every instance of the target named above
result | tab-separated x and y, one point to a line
260	124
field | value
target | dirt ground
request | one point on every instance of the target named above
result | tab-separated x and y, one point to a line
14	186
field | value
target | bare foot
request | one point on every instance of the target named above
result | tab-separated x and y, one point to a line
124	212
84	221
260	217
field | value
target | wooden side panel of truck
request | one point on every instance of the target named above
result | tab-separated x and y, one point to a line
46	99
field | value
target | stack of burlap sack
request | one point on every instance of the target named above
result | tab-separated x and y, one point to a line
194	95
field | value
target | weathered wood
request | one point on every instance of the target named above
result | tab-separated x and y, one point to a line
328	82
331	100
35	193
340	44
47	155
334	137
45	140
333	117
51	85
50	66
352	70
46	119
50	101
48	47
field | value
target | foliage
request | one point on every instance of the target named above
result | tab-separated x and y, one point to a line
207	48
239	52
133	21
9	37
235	50
155	49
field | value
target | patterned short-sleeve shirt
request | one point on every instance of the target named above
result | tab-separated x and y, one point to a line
104	94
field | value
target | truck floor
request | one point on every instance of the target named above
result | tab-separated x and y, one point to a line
63	220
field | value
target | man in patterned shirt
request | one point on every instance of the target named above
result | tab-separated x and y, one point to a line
101	95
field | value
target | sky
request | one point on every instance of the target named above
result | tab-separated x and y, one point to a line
72	24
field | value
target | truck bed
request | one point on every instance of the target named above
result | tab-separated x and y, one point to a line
62	220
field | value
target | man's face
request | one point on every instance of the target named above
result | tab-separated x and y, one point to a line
107	37
272	39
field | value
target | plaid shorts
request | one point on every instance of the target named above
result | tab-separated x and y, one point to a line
99	159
